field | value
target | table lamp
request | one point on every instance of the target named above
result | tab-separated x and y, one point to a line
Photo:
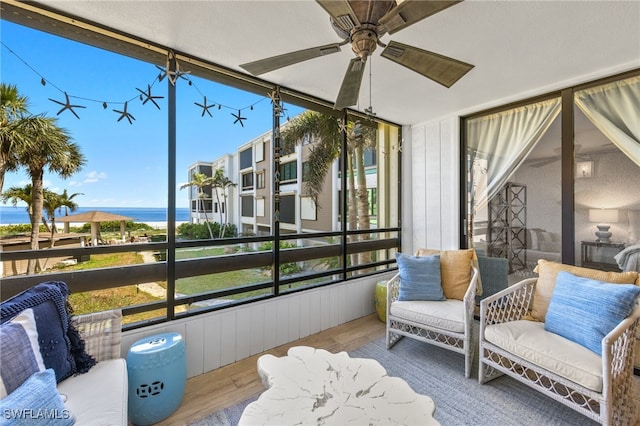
603	217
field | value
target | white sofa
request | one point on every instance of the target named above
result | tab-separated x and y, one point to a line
100	396
514	343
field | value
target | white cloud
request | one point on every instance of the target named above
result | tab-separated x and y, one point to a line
93	177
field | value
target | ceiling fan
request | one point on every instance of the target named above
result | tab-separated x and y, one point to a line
362	23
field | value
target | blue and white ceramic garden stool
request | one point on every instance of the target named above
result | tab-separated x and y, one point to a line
157	370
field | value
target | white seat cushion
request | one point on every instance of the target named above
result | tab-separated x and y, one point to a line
529	340
99	397
446	315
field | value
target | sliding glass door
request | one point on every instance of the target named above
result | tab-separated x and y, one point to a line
607	178
514	199
517	163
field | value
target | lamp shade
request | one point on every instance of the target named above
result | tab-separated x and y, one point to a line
603	215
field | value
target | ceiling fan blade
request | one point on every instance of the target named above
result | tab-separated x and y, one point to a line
351	82
441	69
544	162
341	12
275	62
411	11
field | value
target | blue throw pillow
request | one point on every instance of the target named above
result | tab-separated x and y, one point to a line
36	402
585	310
61	347
20	354
419	277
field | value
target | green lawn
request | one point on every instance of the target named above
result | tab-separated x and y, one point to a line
220	281
101	300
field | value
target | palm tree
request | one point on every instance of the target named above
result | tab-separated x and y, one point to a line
51	150
16	193
54	201
13	115
222	182
200	181
324	132
66	202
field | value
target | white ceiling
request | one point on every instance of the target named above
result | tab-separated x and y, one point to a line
519	48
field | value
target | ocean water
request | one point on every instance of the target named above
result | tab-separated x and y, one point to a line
10	215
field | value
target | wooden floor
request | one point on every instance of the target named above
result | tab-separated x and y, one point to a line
231	384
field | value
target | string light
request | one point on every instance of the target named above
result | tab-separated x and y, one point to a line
144	95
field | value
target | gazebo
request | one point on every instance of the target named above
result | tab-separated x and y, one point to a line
95	217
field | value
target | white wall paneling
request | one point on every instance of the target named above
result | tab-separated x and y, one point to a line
194	331
433	185
257	328
419	189
434	162
270	325
304	320
294	318
407	190
315	311
228	336
223	337
450	182
282	321
212	338
243	333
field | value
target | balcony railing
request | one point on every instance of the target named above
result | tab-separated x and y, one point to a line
383	242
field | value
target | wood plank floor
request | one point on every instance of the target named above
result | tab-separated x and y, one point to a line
236	382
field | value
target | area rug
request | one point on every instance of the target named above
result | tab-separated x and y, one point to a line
439	373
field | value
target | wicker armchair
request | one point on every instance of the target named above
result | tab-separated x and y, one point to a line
614	404
447	324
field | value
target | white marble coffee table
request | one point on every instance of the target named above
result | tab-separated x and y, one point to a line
315	387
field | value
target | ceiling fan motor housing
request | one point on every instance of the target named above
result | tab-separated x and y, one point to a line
364	40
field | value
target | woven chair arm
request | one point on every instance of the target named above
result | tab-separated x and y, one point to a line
101	332
469	298
618	358
393	289
628	324
510	304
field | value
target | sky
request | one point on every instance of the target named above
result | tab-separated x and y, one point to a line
126	164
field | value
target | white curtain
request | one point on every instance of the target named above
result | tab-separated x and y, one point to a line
615	110
505	140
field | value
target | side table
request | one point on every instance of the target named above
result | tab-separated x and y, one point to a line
157	369
599	255
380	300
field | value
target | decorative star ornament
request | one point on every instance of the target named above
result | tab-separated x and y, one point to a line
342	126
67	105
280	109
205	107
274	95
163	72
125	114
173	75
239	118
148	96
